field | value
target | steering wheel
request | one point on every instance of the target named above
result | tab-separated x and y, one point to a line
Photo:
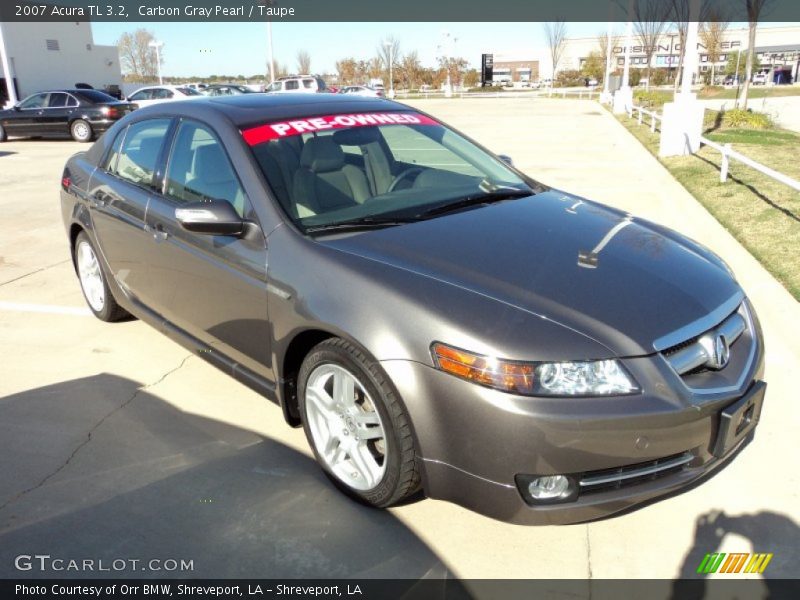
404	175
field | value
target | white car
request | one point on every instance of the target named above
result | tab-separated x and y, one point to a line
362	90
162	93
297	84
760	78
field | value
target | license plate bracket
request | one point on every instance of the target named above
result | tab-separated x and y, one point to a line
739	419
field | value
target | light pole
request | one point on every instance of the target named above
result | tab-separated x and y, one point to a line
8	75
269	4
157	45
391	64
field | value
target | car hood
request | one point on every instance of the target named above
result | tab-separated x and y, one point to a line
593	269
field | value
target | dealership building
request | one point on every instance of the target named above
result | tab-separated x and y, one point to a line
777	47
42	56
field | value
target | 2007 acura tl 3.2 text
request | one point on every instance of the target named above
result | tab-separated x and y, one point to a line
434	318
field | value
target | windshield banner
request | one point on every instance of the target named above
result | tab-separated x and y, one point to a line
282	129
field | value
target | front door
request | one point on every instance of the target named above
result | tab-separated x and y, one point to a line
218	283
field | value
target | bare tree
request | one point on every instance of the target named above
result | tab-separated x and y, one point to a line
303	62
603	42
347	68
411	69
711	33
679	13
650	21
137	58
755	8
389	53
556	35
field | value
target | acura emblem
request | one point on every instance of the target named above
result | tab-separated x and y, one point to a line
722	353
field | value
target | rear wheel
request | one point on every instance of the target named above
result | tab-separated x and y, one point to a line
93	281
81	131
358	429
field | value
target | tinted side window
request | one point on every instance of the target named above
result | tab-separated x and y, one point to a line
72	101
307	83
199	169
57	100
140	150
161	94
291	84
110	163
35	101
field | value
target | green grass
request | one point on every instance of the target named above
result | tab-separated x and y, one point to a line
658	97
763	214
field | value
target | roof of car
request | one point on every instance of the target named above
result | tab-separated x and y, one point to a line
253	109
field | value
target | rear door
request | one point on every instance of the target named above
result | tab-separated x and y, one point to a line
119	192
56	115
218	283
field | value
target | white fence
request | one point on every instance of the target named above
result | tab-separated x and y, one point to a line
589	94
726	150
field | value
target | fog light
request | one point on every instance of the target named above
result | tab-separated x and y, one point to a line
549	487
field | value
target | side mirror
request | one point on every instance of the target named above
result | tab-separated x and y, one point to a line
217	217
506	159
15	107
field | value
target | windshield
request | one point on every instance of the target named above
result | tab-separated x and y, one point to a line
369	168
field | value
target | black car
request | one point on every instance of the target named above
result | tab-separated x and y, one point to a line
80	113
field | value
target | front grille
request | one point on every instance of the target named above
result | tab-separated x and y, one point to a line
698	354
629	475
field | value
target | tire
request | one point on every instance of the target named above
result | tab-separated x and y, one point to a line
3	136
81	131
373	431
93	282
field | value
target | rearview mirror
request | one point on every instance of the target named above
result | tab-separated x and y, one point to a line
216	217
506	159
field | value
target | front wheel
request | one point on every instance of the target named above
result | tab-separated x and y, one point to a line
358	429
93	281
81	131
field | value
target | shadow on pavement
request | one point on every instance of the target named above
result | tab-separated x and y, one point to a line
145	480
5	153
767	532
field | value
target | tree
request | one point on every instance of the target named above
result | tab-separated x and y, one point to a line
754	10
594	66
137	58
347	68
375	67
679	12
739	59
649	20
711	33
603	42
455	65
303	62
389	53
411	70
472	78
555	33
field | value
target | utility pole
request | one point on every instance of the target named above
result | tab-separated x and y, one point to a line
7	74
157	45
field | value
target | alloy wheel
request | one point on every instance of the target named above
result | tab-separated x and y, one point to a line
346	428
91	277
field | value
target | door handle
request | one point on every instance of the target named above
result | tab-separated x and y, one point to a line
159	233
98	199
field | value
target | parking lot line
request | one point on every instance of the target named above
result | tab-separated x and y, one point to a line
77	311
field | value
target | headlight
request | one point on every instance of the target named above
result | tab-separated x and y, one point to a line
579	378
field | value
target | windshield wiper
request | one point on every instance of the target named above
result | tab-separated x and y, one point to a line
362	223
497	195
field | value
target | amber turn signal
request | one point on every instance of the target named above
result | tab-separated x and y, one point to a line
504	375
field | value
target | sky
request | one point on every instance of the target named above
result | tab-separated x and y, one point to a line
203	49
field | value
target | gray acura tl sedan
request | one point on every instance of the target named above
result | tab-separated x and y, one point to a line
434	319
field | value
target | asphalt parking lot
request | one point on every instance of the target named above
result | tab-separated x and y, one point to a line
117	443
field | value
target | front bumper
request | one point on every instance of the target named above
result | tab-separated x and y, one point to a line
474	441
